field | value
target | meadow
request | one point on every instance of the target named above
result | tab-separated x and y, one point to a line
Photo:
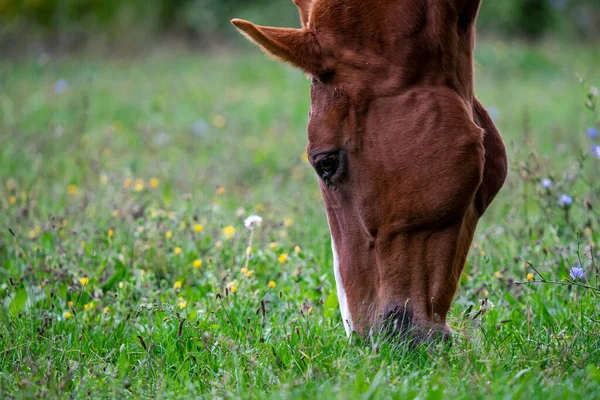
126	270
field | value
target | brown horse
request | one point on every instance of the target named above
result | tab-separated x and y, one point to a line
408	158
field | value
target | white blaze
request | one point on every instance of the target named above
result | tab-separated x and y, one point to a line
341	293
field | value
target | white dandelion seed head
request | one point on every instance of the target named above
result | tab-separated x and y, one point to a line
252	221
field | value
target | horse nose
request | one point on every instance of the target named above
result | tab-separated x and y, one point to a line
397	319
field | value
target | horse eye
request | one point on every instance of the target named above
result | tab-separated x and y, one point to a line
327	166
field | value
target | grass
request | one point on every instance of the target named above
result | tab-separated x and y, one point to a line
118	182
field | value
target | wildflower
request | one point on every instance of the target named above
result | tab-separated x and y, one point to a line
169	234
177	251
11	184
283	257
577	272
139	185
12	200
197	263
67	315
248	250
260	207
546	183
565	200
485	293
234	288
498	274
115	213
219	121
594	91
32	234
297	249
273	245
122	285
252	221
482	253
82	245
177	285
104	179
240	212
86	307
60	86
218	245
198	228
272	284
182	303
592	132
70	304
229	232
244	270
72	189
84	281
249	274
288	222
111	233
154	183
127	183
106	310
596	151
220	191
529	277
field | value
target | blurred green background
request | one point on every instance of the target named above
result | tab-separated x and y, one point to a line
133	24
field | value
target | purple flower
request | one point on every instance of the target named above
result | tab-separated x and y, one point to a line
60	86
547	183
577	272
565	200
592	132
596	151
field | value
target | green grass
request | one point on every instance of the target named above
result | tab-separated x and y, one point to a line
70	166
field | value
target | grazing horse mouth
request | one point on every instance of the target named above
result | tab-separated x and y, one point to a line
408	158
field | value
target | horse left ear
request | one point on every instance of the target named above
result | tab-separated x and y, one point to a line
298	47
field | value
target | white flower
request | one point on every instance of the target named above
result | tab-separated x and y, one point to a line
252	221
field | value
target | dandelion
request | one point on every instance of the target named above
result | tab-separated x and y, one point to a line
482	253
273	245
220	191
248	250
177	251
219	121
169	234
234	288
82	244
546	183
260	207
485	293
498	274
288	222
69	304
252	221
197	264
154	183
86	307
565	200
12	200
84	281
32	234
244	270
596	151
577	272
121	285
592	132
139	185
198	228
127	183
249	273
229	232
272	284
283	257
177	285
297	250
181	303
67	315
111	233
72	190
529	277
106	310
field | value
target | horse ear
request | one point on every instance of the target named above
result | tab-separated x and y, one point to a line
304	6
298	47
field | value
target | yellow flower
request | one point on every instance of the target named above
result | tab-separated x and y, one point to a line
11	184
249	273
182	225
91	305
283	257
219	121
288	222
72	189
154	183
69	304
234	288
220	191
248	250
244	270
310	310
12	200
122	285
530	277
177	251
115	213
67	315
104	179
111	233
198	228
272	284
482	253
218	245
38	230
297	250
485	293
229	232
32	234
64	222
260	207
182	304
139	185
588	231
86	307
498	274
106	310
273	245
197	264
177	285
82	244
169	234
127	183
84	281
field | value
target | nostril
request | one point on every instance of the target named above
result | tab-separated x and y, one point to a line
397	319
